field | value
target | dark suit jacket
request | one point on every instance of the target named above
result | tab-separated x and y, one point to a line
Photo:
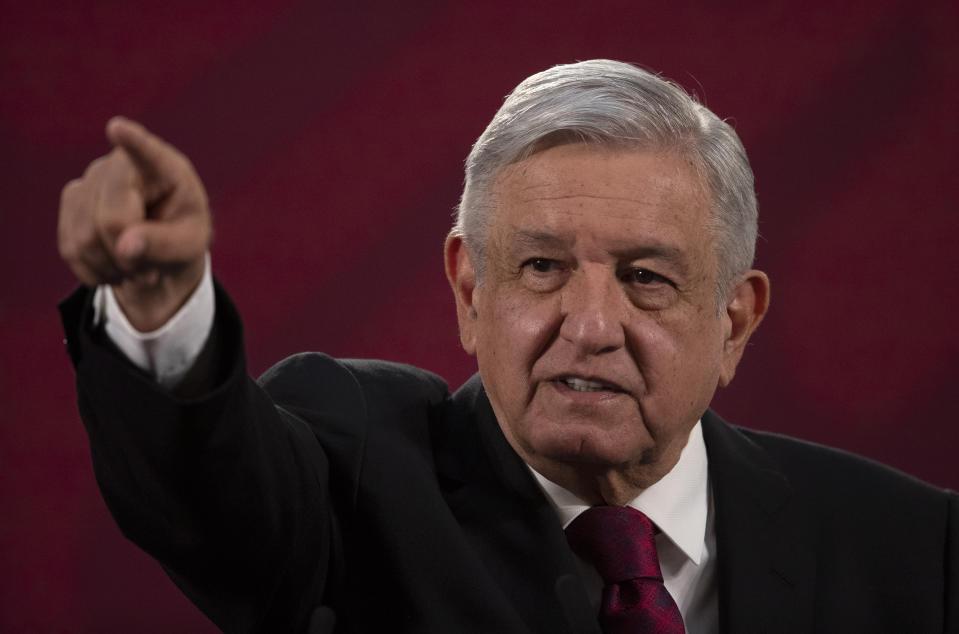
362	492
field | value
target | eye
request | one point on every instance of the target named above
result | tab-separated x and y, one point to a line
543	275
644	277
542	265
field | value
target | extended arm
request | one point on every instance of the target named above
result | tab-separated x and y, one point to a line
228	491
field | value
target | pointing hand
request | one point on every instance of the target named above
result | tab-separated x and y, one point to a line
138	219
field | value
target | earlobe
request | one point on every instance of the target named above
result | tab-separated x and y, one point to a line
462	278
747	305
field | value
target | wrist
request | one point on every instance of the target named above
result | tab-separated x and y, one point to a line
149	301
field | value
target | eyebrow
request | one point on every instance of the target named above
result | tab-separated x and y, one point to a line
627	250
672	255
540	239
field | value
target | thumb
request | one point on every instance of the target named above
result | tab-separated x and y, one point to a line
130	245
167	244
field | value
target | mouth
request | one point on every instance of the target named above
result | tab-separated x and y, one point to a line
580	384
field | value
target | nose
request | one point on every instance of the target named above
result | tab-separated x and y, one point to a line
592	308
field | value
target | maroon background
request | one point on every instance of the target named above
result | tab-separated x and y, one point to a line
331	140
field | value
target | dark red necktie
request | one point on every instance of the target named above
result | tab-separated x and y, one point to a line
620	542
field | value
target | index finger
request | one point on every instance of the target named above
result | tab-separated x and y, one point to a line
157	160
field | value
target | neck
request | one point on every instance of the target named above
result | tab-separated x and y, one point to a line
599	485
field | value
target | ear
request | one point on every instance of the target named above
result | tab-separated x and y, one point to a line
745	308
462	277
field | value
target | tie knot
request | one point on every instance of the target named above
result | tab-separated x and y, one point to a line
618	540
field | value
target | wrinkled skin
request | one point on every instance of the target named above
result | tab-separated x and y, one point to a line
596	326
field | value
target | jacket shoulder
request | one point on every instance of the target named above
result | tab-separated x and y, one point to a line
314	380
832	523
836	473
856	498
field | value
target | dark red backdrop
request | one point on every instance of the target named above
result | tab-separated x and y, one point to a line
331	140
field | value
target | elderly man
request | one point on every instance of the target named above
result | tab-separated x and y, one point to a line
600	265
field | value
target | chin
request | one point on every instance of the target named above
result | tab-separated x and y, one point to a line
594	447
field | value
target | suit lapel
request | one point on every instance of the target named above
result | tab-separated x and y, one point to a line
766	563
509	521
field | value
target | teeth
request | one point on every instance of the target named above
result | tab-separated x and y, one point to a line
582	385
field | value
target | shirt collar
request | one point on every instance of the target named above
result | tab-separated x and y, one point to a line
677	504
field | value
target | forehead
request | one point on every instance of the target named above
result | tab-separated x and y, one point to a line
621	195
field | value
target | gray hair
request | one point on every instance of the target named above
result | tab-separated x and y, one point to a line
614	104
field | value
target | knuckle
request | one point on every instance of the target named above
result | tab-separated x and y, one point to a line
70	191
95	166
119	158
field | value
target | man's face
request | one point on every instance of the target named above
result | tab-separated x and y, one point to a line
596	327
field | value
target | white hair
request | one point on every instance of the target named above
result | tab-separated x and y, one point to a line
614	104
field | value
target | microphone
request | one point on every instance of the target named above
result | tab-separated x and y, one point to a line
322	621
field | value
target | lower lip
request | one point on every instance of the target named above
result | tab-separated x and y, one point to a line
584	397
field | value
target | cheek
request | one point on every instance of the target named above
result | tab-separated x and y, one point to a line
521	325
513	335
677	355
654	344
701	361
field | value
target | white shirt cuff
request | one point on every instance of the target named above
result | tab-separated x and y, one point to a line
168	352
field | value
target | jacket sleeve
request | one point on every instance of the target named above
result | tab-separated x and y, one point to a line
227	489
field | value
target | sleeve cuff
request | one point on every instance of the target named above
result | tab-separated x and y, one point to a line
168	352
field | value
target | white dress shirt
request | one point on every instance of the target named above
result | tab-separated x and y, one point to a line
680	504
168	352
